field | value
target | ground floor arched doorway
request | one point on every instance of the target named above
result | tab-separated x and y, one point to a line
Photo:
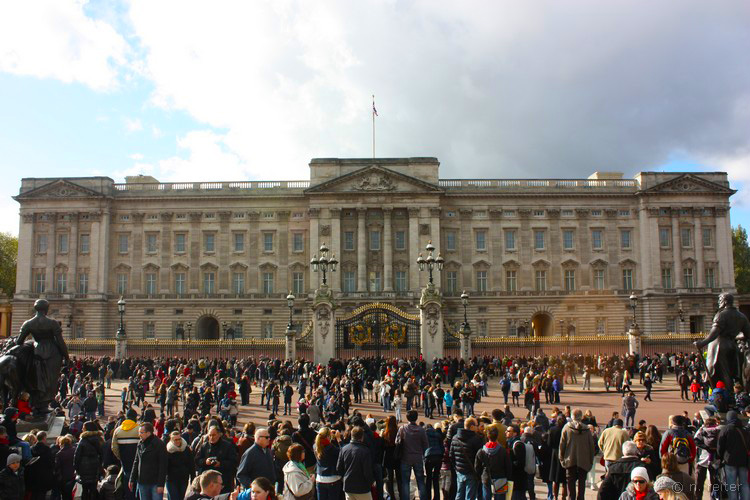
207	328
541	325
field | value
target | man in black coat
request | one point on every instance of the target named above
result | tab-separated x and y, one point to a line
733	447
618	472
355	464
150	466
215	452
11	479
257	461
463	453
41	473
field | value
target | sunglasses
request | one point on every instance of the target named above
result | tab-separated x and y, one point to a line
639	481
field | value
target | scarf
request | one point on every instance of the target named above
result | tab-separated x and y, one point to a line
302	467
640	495
491	444
324	442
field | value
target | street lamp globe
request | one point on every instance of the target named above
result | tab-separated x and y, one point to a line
290	300
121	305
633	300
465	298
421	262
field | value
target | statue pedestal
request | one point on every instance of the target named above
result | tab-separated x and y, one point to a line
324	326
465	333
121	348
291	345
634	341
51	424
431	324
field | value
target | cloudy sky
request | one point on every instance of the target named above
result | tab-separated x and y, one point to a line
232	90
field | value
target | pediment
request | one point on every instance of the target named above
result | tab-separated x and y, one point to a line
374	179
569	263
598	263
510	263
59	189
686	184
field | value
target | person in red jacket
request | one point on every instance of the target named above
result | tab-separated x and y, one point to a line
24	406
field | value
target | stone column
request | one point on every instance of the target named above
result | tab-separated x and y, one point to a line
700	279
102	252
431	324
413	248
324	326
51	252
676	248
73	255
435	238
387	251
335	246
361	250
314	213
165	255
26	252
724	256
291	344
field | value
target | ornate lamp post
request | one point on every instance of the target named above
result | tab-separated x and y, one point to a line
633	306
465	330
431	262
324	264
291	353
121	341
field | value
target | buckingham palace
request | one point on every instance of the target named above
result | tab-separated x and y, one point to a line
537	257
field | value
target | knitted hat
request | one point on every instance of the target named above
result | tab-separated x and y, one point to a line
639	472
663	483
131	415
13	458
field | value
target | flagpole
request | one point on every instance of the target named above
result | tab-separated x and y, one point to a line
373	126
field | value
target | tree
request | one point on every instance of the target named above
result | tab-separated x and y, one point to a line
741	251
8	261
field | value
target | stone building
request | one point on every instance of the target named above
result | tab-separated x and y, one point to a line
558	256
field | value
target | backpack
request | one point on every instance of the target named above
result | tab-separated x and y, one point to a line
680	446
530	465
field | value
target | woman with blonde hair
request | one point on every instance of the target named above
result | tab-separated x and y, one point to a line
328	482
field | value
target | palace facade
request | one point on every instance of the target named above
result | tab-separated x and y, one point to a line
548	256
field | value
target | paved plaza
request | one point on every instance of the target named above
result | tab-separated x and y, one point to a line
666	402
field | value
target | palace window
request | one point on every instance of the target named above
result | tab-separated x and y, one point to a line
267	283
450	241
238	283
84	244
41	243
451	281
122	283
62	243
541	280
209	242
665	237
40	277
239	242
597	242
375	281
708	237
83	283
686	237
598	279
627	279
625	239
268	242
151	283
298	283
570	280
123	243
375	240
179	242
510	281
480	238
298	242
710	278
568	239
209	283
61	281
348	283
510	240
539	240
666	277
481	281
149	329
687	277
349	240
401	285
151	243
179	283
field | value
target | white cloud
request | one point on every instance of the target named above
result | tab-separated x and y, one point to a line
136	156
133	125
156	132
55	39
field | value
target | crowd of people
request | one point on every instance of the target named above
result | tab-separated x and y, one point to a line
177	433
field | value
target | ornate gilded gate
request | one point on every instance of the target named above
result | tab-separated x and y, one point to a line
377	330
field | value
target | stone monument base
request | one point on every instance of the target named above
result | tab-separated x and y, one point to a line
51	424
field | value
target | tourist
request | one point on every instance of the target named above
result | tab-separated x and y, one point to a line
618	472
355	466
257	461
88	459
391	468
629	407
215	452
180	466
433	459
463	449
671	470
298	482
557	471
639	487
708	462
648	455
413	441
493	467
611	441
12	485
149	471
576	454
733	448
328	482
679	441
518	462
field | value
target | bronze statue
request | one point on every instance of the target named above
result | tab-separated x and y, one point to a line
43	370
724	359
